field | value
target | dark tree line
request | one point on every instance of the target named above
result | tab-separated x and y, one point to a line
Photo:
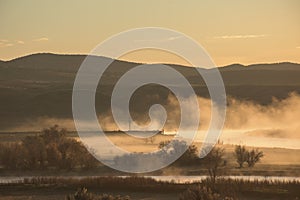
214	162
50	150
54	150
189	157
168	154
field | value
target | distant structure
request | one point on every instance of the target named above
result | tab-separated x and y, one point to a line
149	131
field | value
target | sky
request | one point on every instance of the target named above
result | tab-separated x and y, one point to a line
231	31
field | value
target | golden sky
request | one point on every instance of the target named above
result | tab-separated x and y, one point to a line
232	31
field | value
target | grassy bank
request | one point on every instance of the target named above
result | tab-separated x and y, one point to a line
139	186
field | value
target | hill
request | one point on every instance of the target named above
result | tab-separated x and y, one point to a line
41	85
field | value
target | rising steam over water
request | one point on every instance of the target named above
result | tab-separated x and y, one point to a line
249	123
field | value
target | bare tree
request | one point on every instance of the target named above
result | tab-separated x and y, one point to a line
214	161
253	157
35	152
241	155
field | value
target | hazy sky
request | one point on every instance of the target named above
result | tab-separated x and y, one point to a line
232	31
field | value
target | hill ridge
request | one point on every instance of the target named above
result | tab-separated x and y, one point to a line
229	66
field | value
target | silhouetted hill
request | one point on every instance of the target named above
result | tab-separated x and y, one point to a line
284	66
41	85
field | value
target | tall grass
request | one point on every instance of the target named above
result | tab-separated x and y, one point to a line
223	186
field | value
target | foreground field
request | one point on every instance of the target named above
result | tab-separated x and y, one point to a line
40	176
139	188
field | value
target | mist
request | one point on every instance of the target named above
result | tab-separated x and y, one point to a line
276	120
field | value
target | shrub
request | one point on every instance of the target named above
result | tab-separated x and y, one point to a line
241	155
83	194
199	193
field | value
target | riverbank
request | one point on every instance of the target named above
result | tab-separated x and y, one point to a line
193	170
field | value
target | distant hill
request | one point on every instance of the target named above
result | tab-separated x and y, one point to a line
284	66
41	85
63	68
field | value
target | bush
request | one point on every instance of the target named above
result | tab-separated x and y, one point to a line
83	194
241	155
200	192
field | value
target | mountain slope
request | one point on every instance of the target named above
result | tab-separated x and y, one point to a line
41	85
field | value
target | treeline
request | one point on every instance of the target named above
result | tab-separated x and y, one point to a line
170	150
214	162
50	150
54	150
